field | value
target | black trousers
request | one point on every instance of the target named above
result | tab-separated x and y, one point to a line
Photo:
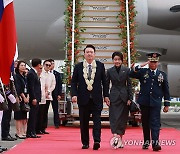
6	119
40	119
84	115
45	116
151	123
32	121
55	111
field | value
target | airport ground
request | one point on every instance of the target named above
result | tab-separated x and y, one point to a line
171	119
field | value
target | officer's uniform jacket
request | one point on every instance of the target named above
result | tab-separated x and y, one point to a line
152	87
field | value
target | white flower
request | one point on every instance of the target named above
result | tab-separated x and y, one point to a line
85	74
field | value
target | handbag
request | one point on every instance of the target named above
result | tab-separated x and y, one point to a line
25	107
3	106
134	107
16	106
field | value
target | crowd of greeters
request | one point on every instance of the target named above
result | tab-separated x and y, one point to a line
29	94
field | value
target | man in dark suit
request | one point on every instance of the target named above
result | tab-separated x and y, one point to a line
86	89
56	94
34	87
6	119
154	86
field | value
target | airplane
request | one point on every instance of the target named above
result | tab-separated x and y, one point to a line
41	32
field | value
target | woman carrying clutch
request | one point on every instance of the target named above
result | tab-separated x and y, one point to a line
120	96
22	91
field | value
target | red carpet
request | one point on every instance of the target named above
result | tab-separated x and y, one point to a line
66	140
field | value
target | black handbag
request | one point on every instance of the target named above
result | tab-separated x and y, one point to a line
134	107
25	107
3	106
16	106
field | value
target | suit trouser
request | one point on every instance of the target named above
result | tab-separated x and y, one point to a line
45	119
6	119
151	123
32	121
40	119
55	111
84	115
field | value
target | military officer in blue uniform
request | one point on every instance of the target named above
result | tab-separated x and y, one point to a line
153	87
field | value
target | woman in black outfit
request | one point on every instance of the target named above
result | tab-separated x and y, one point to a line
22	91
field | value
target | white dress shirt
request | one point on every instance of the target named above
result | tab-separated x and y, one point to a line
48	83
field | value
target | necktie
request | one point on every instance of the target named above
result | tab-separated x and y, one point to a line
153	73
89	72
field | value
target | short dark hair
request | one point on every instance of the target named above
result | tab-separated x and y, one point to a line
119	54
90	46
18	64
47	60
35	62
50	60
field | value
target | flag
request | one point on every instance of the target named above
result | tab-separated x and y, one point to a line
8	39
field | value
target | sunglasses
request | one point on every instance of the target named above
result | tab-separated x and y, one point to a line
48	65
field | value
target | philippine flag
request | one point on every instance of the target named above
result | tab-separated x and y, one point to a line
8	39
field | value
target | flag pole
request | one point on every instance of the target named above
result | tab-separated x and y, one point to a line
128	34
73	27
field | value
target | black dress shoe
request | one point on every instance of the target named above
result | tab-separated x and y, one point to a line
28	136
35	136
8	138
43	131
156	148
39	132
145	146
85	146
57	126
32	136
96	146
3	149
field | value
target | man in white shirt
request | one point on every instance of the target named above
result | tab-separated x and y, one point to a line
48	84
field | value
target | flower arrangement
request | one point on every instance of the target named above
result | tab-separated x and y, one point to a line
77	41
123	34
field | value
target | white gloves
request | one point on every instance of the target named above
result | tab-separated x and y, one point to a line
12	98
1	98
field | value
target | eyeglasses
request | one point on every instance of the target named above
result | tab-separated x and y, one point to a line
48	65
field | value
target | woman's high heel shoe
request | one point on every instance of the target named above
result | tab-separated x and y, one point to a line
20	137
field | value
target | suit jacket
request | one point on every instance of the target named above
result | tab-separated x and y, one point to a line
79	86
20	84
34	86
152	88
58	88
121	84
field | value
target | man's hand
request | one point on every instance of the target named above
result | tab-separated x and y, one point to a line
144	64
106	99
128	102
165	109
74	99
58	97
34	102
